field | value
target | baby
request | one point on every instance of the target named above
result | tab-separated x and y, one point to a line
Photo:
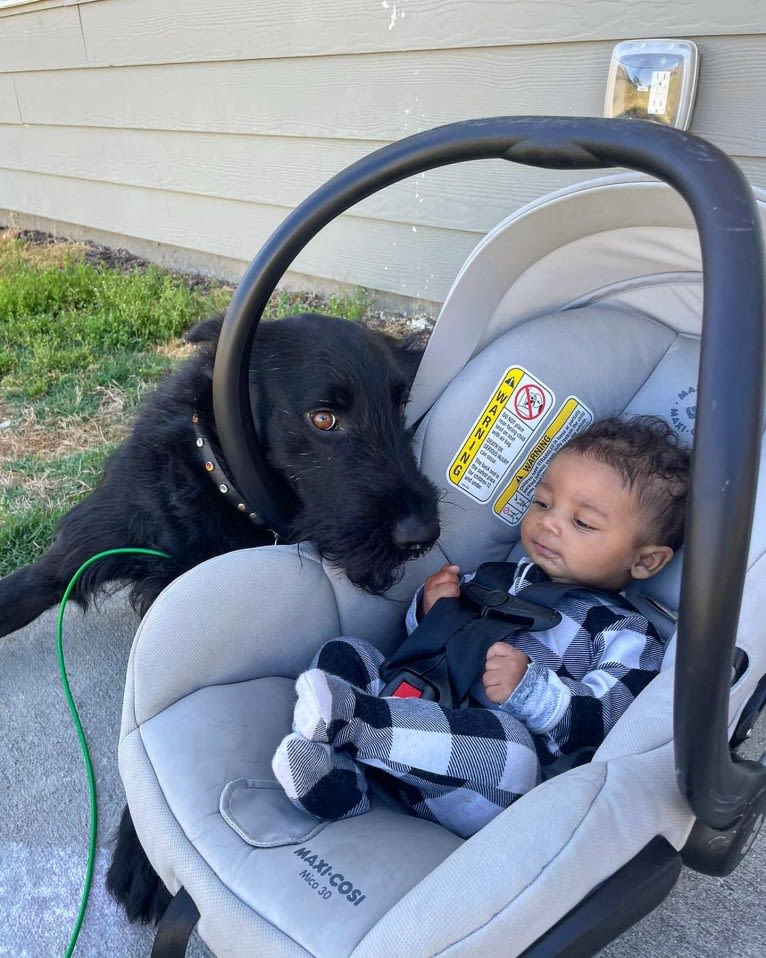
609	509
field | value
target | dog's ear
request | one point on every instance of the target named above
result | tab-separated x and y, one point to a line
407	352
206	330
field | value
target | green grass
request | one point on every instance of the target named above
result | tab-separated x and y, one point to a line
69	327
79	345
353	305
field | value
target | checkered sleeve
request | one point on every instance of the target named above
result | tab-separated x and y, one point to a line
576	705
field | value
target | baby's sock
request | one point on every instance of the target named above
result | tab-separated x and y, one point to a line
319	780
325	705
330	709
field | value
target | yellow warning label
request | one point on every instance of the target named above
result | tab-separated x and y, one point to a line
514	500
517	408
484	423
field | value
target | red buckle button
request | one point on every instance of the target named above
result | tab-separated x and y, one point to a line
406	691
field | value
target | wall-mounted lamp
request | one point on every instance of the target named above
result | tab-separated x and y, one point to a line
653	80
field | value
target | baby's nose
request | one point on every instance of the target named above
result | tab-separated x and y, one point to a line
550	521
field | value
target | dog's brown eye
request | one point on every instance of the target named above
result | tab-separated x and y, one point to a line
323	419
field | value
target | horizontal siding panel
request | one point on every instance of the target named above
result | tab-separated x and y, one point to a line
731	106
755	171
148	31
283	172
130	32
383	97
383	256
9	110
50	39
15	7
378	97
275	171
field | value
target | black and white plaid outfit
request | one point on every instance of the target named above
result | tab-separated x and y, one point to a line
461	767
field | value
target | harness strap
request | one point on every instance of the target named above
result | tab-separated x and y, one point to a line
442	656
448	649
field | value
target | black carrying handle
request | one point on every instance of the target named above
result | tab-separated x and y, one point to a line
729	397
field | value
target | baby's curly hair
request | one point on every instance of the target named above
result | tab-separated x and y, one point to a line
646	452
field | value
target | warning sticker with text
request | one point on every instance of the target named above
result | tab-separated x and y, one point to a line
514	500
517	408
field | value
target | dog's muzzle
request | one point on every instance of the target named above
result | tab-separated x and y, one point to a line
415	536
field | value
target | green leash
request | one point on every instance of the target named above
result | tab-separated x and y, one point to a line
88	881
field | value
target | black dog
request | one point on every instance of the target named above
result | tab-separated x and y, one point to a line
328	397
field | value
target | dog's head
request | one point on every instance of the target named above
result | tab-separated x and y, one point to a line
328	397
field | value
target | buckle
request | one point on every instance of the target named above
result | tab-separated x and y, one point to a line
407	684
499	604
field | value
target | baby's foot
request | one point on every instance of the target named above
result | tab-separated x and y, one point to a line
325	705
319	780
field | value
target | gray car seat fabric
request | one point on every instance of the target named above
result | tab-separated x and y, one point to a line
210	682
555	251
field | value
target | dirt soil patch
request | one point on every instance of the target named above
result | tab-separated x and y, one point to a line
22	435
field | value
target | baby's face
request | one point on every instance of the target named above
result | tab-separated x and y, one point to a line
584	525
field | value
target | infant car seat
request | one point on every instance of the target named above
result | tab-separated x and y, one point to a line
586	303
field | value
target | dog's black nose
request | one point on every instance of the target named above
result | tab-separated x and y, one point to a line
414	535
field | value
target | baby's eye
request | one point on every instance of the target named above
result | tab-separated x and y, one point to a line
539	503
583	525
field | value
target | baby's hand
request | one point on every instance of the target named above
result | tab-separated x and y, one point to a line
503	670
444	584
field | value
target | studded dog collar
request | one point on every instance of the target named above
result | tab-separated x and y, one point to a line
218	475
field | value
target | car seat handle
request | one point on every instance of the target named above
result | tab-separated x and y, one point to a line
729	398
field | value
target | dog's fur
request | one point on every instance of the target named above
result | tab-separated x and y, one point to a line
361	497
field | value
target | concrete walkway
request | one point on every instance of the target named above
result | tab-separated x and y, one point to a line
44	813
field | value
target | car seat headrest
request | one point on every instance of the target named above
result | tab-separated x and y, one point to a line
489	437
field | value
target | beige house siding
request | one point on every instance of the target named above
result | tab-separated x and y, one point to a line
189	129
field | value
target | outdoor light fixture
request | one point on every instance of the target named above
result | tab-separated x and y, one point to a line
653	80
